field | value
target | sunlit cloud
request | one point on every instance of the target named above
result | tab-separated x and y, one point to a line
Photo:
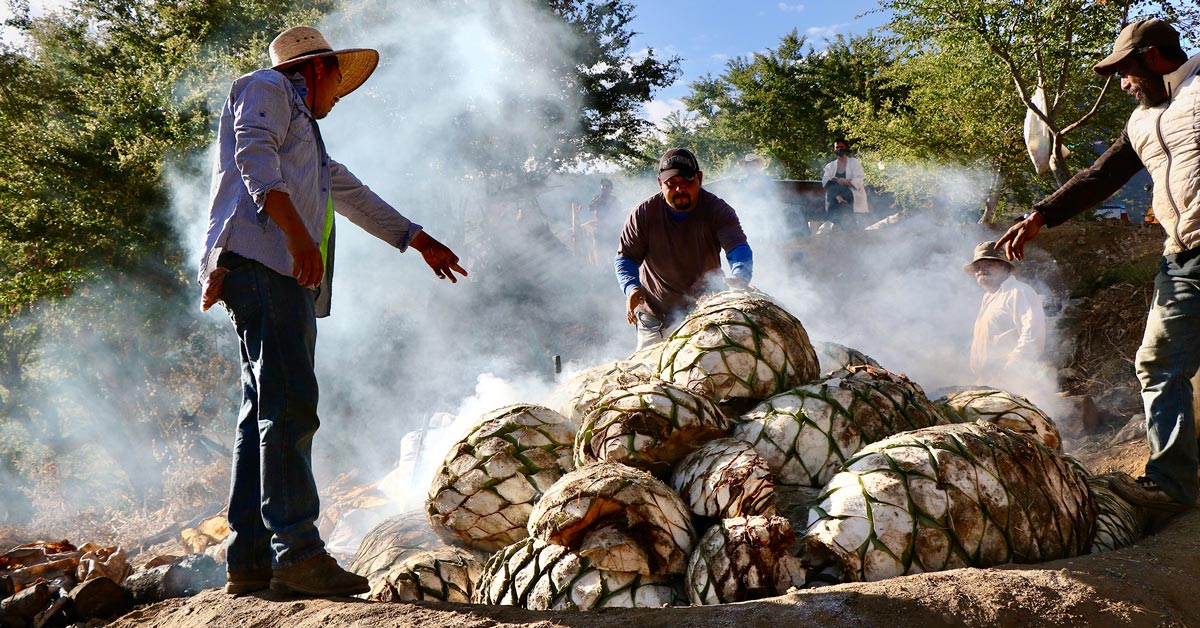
825	32
791	8
658	110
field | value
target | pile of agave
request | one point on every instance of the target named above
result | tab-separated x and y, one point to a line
732	462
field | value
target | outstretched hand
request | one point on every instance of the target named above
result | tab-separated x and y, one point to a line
1012	243
441	259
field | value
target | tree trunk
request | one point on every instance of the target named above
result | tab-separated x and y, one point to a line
1058	160
992	201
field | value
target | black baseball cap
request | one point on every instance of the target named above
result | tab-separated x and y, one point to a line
678	162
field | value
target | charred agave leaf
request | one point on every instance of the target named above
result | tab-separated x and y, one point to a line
542	576
1006	410
620	518
725	478
446	574
577	395
649	426
743	558
807	434
482	494
963	495
739	346
393	541
1118	522
834	358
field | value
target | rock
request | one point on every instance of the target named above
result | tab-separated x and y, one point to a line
1080	417
184	578
99	598
1120	400
1135	429
20	609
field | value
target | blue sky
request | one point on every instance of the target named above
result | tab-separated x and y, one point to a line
707	33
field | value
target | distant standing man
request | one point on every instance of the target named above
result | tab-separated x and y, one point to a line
845	186
670	248
268	256
1010	331
1163	136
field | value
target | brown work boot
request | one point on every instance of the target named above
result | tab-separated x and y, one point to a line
319	576
1146	493
247	580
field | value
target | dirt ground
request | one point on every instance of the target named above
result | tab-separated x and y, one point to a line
1103	272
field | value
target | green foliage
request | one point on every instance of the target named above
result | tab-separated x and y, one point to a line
784	103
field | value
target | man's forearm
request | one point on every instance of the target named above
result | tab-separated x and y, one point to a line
1091	186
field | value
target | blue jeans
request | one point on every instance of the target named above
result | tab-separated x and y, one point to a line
273	502
1166	361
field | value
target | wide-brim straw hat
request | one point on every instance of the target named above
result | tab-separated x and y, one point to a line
301	43
986	250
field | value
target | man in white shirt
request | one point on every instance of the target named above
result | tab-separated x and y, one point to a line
1010	331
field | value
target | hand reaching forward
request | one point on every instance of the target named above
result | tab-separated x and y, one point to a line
441	259
1013	241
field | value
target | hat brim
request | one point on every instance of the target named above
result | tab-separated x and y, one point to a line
970	268
666	175
1108	66
356	64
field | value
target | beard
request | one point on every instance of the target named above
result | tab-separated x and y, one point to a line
681	201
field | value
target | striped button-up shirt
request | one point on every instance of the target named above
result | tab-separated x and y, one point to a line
269	140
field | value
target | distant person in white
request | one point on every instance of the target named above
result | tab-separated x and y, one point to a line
1010	331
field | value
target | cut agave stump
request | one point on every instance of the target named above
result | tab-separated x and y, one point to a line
620	518
743	558
542	576
577	395
482	494
1118	522
649	426
1006	410
445	574
807	434
392	541
725	478
835	358
737	348
963	495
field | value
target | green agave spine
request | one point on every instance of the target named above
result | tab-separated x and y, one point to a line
446	574
739	346
537	575
944	497
483	492
808	433
1006	410
649	426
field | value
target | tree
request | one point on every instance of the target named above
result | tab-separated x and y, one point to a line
1051	45
784	102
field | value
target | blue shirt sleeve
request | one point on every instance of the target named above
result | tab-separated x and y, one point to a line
741	261
627	274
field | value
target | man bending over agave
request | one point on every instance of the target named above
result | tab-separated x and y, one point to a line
670	248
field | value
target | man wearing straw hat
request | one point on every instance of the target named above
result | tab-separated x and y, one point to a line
1161	136
1010	331
268	258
